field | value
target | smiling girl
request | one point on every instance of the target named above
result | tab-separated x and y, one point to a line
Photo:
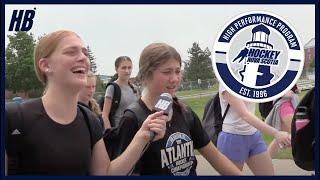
55	136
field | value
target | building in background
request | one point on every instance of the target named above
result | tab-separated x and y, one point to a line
105	78
309	57
307	79
309	53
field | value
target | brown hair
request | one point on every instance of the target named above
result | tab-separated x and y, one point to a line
153	56
45	47
120	59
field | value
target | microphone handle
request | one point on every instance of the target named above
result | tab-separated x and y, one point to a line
152	135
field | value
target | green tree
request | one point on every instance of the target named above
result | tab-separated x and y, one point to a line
100	86
199	65
312	64
20	74
92	58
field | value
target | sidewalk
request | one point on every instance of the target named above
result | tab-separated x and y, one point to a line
282	167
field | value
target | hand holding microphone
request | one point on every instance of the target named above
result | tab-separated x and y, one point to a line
154	127
164	103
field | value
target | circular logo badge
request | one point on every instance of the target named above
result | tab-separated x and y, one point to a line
258	56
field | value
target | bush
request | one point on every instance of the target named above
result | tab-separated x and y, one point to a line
34	93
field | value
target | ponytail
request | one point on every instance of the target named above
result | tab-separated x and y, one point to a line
94	107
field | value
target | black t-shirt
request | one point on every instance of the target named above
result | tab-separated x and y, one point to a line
172	155
50	148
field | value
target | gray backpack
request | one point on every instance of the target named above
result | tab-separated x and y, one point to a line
212	118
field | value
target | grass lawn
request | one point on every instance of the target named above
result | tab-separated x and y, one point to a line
198	103
196	91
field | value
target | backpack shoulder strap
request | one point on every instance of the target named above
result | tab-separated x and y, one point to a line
275	102
225	112
116	92
115	100
87	118
14	137
137	112
15	130
207	107
14	114
227	108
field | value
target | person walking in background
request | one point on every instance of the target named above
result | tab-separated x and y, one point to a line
160	72
56	138
86	97
17	99
121	89
280	117
240	139
199	83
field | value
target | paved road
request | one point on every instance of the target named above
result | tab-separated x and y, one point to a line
282	167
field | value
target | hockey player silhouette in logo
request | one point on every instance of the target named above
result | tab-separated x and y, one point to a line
243	53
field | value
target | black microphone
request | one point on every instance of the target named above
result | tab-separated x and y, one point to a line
164	103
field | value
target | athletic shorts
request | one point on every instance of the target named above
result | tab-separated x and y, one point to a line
240	148
286	108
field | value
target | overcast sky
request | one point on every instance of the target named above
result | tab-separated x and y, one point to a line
116	30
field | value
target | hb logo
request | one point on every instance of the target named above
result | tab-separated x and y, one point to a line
22	20
162	104
258	56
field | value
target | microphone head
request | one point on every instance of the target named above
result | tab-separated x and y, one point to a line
164	103
166	95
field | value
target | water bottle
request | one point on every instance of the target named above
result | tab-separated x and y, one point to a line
301	118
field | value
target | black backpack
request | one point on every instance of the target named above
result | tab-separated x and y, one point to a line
111	135
302	132
115	100
14	118
212	118
266	107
